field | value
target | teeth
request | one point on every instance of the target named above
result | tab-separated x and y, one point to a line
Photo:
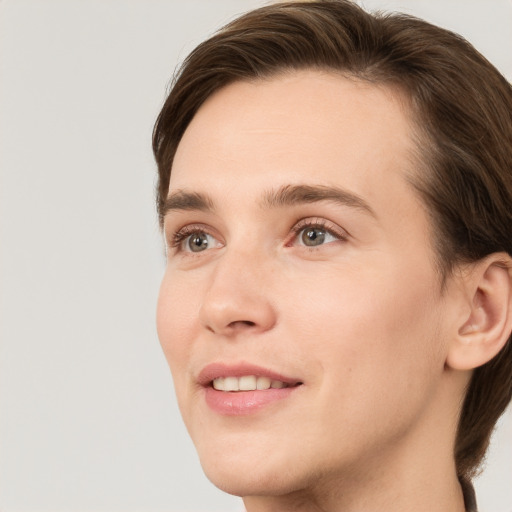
263	383
231	384
247	383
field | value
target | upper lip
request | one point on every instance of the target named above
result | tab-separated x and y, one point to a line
216	370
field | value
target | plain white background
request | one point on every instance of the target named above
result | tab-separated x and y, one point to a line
88	420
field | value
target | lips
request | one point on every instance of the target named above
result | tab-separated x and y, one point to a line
222	370
243	388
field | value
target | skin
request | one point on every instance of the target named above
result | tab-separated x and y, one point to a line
361	319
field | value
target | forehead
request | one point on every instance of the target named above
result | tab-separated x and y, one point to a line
307	127
301	116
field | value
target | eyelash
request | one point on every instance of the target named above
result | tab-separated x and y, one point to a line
182	234
318	223
179	237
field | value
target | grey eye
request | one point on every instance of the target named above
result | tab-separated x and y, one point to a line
313	236
198	242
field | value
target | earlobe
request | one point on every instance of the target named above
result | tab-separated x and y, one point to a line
485	330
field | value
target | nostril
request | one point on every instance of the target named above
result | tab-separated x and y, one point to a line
242	323
226	310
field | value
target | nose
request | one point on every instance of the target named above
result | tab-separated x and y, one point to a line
237	298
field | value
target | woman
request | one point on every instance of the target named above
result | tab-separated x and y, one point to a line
336	309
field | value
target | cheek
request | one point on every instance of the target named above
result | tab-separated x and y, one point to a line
176	318
373	332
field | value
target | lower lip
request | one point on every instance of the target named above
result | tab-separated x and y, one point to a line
238	403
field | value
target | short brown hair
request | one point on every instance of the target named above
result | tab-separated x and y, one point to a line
462	109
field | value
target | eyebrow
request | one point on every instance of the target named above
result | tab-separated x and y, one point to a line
183	200
300	194
288	195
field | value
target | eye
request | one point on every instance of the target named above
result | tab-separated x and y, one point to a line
193	239
314	233
314	236
198	242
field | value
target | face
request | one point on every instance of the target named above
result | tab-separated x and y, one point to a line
300	311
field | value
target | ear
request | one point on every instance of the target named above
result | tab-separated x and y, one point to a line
486	324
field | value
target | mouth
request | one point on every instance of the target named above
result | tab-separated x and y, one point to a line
243	389
247	383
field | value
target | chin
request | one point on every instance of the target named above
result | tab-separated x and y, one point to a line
251	483
242	474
